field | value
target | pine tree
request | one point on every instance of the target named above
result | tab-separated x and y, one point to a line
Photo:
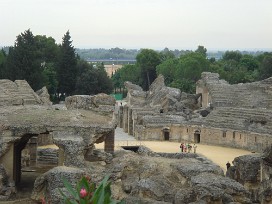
67	70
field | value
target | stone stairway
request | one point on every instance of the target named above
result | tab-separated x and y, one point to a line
17	93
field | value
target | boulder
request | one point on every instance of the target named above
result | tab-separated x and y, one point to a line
49	185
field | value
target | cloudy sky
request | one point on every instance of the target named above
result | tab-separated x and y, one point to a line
176	24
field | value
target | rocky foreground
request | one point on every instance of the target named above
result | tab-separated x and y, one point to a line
148	177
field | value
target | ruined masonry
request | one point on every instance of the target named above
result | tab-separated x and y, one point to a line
238	115
24	115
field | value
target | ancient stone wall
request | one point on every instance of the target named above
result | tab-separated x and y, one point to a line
17	93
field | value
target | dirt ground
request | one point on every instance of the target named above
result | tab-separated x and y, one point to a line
219	155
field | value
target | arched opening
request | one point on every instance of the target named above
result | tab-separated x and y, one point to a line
26	167
197	136
166	134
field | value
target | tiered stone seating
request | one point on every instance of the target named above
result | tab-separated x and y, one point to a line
17	93
240	119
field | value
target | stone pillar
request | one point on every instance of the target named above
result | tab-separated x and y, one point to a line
32	145
130	122
109	142
125	120
120	117
72	146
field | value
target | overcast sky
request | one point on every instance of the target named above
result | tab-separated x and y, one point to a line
176	24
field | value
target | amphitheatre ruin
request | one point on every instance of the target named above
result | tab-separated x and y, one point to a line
238	116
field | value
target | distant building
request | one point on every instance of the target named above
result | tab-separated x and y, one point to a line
111	69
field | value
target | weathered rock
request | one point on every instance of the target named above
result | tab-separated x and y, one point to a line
211	188
247	168
265	191
164	179
49	184
72	146
98	155
99	103
17	93
44	96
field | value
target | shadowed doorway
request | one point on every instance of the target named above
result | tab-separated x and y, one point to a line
197	136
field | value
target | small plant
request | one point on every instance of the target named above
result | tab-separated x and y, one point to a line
87	193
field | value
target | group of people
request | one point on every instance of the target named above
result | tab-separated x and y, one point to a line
187	147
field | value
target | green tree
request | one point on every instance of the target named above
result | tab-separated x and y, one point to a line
191	66
202	50
3	59
23	62
232	55
50	78
166	54
147	60
266	66
105	84
67	69
86	83
168	69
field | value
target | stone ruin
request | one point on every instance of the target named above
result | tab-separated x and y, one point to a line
162	113
255	173
236	115
25	115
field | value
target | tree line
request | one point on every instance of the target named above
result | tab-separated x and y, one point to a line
185	70
42	62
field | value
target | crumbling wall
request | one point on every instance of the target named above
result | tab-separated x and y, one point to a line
17	93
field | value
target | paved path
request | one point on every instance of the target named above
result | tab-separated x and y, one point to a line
219	155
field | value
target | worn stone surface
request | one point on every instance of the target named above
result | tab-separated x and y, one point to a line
7	187
44	96
254	172
17	93
147	177
49	184
72	146
101	102
164	179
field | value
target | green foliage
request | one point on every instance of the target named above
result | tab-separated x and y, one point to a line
232	55
147	60
87	193
202	50
126	73
3	59
67	72
50	78
168	69
23	61
182	73
266	66
105	85
191	66
114	53
92	80
185	85
166	54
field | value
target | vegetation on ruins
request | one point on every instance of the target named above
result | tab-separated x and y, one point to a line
42	62
87	193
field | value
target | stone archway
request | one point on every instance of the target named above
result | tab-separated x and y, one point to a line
197	136
166	133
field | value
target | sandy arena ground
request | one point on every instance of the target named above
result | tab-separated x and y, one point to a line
219	155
